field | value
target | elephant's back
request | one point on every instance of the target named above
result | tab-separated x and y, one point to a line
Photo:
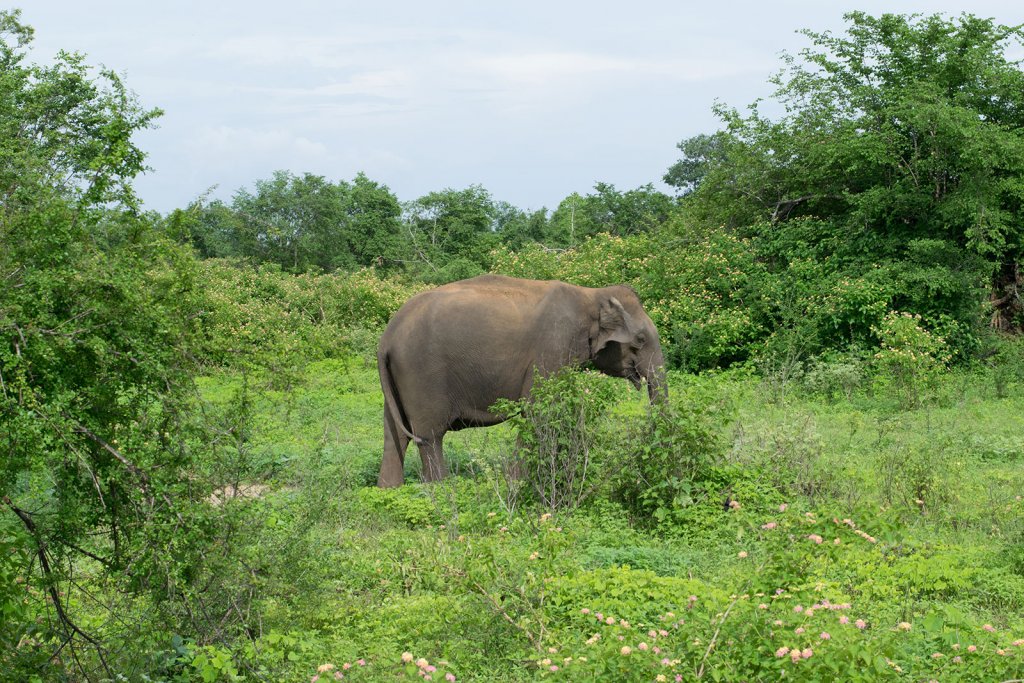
473	301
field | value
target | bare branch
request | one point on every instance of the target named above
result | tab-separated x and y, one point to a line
70	628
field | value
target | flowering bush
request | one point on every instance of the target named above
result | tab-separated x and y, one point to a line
282	321
910	357
406	667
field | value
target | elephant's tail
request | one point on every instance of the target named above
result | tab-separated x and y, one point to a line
391	404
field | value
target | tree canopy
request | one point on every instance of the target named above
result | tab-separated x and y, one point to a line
901	151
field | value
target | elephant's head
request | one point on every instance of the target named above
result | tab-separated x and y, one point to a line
624	341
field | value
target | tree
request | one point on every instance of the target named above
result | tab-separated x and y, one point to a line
904	140
96	313
517	228
295	221
611	211
299	222
451	232
374	225
700	153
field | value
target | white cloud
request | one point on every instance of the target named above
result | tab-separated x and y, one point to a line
225	146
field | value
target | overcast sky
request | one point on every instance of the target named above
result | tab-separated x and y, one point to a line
532	100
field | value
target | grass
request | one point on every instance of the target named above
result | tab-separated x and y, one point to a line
445	572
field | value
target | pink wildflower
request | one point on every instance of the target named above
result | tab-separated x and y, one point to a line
807	653
1001	652
989	627
585	610
361	662
642	646
450	677
843	619
406	657
798	609
762	606
783	507
957	659
799	630
816	538
338	675
346	666
626	650
860	623
825	635
937	655
769	526
742	554
972	648
553	667
314	679
794	655
782	651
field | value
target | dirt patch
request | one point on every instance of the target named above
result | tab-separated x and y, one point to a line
242	490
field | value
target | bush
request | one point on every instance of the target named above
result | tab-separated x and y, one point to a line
557	433
911	358
663	453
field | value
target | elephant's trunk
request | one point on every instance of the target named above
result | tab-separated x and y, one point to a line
657	384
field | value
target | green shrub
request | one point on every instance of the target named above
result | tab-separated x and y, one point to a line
557	431
910	359
663	453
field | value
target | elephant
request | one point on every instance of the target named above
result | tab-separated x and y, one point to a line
448	354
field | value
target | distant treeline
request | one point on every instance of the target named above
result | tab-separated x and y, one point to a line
304	222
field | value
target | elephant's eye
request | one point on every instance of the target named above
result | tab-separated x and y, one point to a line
639	341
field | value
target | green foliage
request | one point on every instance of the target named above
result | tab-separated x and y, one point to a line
452	233
664	454
299	223
607	211
282	322
910	358
903	142
557	431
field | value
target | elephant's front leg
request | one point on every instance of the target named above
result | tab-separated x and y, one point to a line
432	455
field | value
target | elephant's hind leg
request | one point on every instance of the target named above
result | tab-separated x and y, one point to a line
392	466
432	455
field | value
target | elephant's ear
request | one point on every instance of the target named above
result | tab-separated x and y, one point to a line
612	325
